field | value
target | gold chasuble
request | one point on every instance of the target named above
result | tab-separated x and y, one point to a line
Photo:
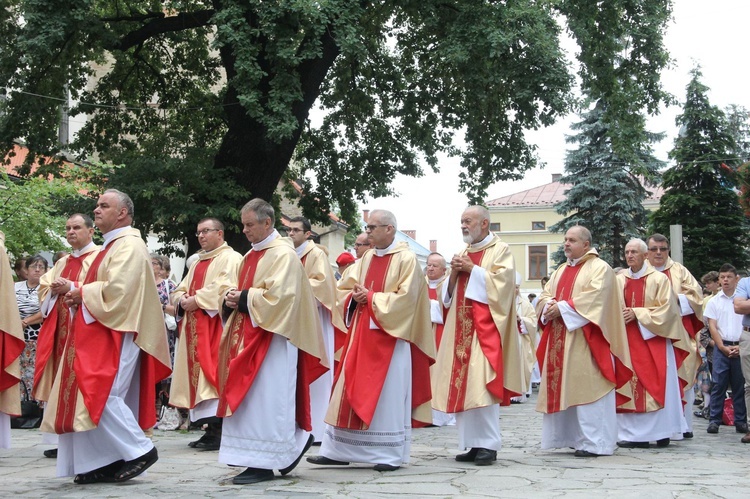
526	315
479	358
655	308
398	306
323	283
196	363
54	331
683	283
11	338
120	294
280	301
581	366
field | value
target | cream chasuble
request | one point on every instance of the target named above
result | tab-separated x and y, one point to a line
12	343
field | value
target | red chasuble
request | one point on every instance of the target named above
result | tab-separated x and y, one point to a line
91	364
203	347
552	347
254	343
54	331
474	318
648	356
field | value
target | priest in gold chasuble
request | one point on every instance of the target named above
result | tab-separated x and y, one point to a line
583	352
479	365
271	351
382	382
197	302
658	347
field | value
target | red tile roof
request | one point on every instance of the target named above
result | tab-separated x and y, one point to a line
551	193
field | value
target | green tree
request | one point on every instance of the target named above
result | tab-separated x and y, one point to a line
699	190
607	192
206	102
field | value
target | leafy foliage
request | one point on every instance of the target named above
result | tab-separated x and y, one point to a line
699	190
607	192
207	102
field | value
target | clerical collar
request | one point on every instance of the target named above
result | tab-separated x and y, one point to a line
482	242
78	252
433	284
264	243
109	236
382	252
301	248
206	255
575	261
661	269
639	274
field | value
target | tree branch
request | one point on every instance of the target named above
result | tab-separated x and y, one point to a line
158	26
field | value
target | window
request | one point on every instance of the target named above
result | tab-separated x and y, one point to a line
538	225
537	262
495	227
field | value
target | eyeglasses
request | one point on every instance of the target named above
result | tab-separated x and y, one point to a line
656	249
359	245
371	228
205	232
37	267
294	229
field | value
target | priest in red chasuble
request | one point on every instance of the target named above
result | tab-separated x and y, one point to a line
197	302
11	346
479	365
383	381
658	347
271	350
319	272
115	352
583	352
690	295
68	271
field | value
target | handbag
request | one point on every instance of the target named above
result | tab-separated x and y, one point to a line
727	415
31	413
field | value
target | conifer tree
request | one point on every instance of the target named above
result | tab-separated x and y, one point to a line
699	188
606	193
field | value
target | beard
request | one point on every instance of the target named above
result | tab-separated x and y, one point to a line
472	235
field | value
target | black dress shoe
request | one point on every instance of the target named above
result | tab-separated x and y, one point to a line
468	457
688	434
626	444
211	442
135	467
740	428
50	453
385	467
324	461
485	457
289	468
584	453
202	439
105	474
253	475
664	442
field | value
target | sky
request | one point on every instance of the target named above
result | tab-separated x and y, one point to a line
712	34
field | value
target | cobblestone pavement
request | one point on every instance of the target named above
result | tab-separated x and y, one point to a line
705	466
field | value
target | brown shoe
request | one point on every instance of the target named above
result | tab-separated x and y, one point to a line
745	439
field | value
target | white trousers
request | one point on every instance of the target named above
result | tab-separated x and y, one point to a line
591	427
652	426
388	439
320	389
4	431
479	428
118	435
263	432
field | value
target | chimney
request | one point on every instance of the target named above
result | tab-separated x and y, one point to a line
556	177
366	215
411	233
433	245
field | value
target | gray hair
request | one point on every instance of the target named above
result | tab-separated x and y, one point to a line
385	216
125	201
483	212
585	233
262	209
641	244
